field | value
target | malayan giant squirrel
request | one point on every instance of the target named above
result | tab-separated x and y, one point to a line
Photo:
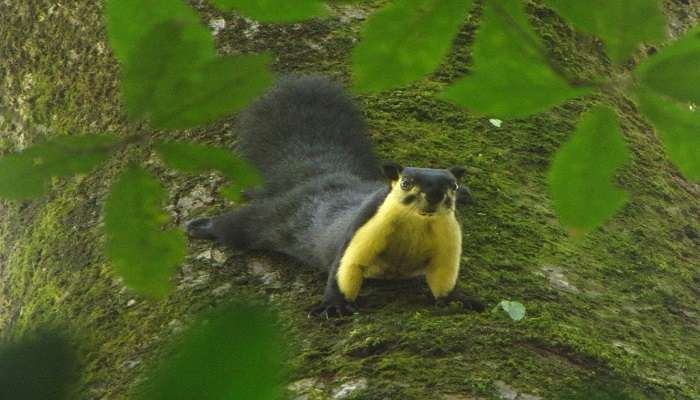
327	201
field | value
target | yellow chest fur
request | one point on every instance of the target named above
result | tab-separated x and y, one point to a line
407	251
396	243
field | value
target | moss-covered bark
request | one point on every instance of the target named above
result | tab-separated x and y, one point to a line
618	311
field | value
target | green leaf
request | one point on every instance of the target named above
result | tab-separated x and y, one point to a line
233	353
27	174
674	71
405	41
669	82
679	128
129	21
275	10
515	310
39	367
197	158
621	24
511	77
233	192
580	179
177	85
143	253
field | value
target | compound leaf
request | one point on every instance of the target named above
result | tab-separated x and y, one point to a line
176	84
275	10
39	367
621	24
142	252
511	77
194	158
679	128
580	179
405	41
674	71
27	174
233	353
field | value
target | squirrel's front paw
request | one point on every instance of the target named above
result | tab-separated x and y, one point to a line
334	308
467	302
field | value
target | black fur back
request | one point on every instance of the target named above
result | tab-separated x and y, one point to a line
305	127
321	174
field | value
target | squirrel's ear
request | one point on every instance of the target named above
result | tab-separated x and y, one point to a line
392	170
458	172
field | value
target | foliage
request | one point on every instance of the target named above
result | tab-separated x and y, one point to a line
511	78
674	71
28	173
130	21
405	41
581	173
195	158
621	24
172	75
41	366
678	125
668	96
142	252
235	352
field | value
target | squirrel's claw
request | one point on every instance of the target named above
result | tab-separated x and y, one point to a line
328	310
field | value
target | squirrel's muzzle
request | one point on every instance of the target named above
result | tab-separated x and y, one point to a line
435	196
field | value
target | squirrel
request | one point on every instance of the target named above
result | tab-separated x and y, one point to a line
327	200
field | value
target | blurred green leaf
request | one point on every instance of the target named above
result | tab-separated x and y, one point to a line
679	128
194	158
511	77
142	252
42	366
129	21
675	70
27	174
621	24
580	179
275	10
233	192
405	41
515	310
233	353
176	84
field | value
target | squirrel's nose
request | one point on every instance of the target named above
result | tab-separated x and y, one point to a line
434	196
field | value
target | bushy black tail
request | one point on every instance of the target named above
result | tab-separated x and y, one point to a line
306	126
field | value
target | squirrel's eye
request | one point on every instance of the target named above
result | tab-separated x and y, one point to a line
406	184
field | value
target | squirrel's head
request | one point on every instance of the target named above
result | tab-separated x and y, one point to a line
429	192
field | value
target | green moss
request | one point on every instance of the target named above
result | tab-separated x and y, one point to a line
630	327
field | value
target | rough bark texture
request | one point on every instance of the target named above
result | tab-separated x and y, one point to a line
618	311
